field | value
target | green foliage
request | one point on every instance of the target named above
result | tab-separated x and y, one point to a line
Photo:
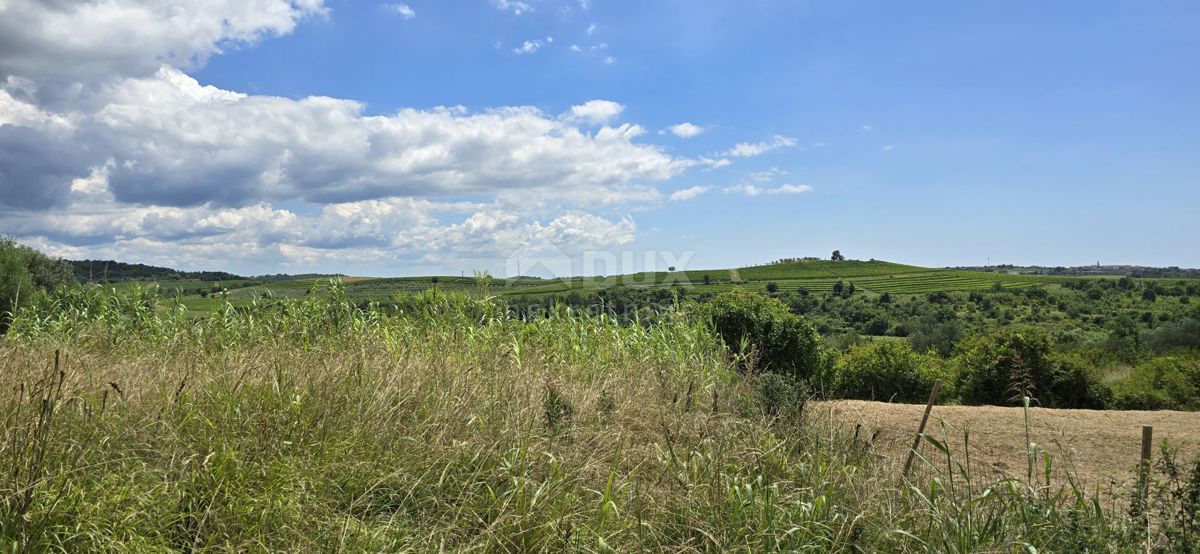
890	371
1075	383
24	272
780	395
1001	366
766	334
1165	383
1177	335
312	423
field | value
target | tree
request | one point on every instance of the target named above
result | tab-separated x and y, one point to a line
707	279
763	329
837	256
850	290
838	288
772	287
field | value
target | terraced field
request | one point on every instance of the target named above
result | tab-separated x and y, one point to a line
817	276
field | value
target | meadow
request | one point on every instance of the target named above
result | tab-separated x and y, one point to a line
311	424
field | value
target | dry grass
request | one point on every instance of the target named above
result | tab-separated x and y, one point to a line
308	425
1099	447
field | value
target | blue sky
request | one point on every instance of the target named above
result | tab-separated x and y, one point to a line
944	133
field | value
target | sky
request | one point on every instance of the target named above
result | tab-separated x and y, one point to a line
568	137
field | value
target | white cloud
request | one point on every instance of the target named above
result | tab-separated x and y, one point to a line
585	4
686	130
66	46
767	175
866	127
517	8
576	48
754	190
747	149
401	9
591	29
595	111
109	149
714	163
176	142
529	47
888	147
610	60
688	193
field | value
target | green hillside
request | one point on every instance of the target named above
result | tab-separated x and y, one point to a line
873	277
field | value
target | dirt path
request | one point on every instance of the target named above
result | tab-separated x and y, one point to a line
1099	447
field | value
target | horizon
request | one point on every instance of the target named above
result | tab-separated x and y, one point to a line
424	138
464	273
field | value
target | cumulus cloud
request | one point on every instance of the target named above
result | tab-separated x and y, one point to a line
685	130
755	190
688	193
595	111
65	46
146	163
401	9
749	149
173	141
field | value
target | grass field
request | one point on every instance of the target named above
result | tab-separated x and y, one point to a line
309	425
870	277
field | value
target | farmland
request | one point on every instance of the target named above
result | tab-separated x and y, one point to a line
871	277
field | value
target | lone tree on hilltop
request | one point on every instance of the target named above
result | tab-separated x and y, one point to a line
837	256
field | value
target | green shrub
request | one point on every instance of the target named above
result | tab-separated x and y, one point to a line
23	272
773	338
1002	366
1074	383
780	395
889	371
1165	383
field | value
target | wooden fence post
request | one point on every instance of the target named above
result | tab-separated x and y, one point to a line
1144	465
921	429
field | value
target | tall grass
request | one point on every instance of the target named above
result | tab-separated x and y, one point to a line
442	424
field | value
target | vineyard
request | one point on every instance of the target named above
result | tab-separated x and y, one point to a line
818	276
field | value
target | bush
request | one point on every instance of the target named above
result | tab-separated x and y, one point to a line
1165	383
1074	383
23	272
1180	334
1001	367
780	395
889	371
780	341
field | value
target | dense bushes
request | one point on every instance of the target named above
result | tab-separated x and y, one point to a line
1167	383
1001	367
761	328
23	272
889	371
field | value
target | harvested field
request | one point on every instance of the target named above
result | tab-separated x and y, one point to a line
1100	447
